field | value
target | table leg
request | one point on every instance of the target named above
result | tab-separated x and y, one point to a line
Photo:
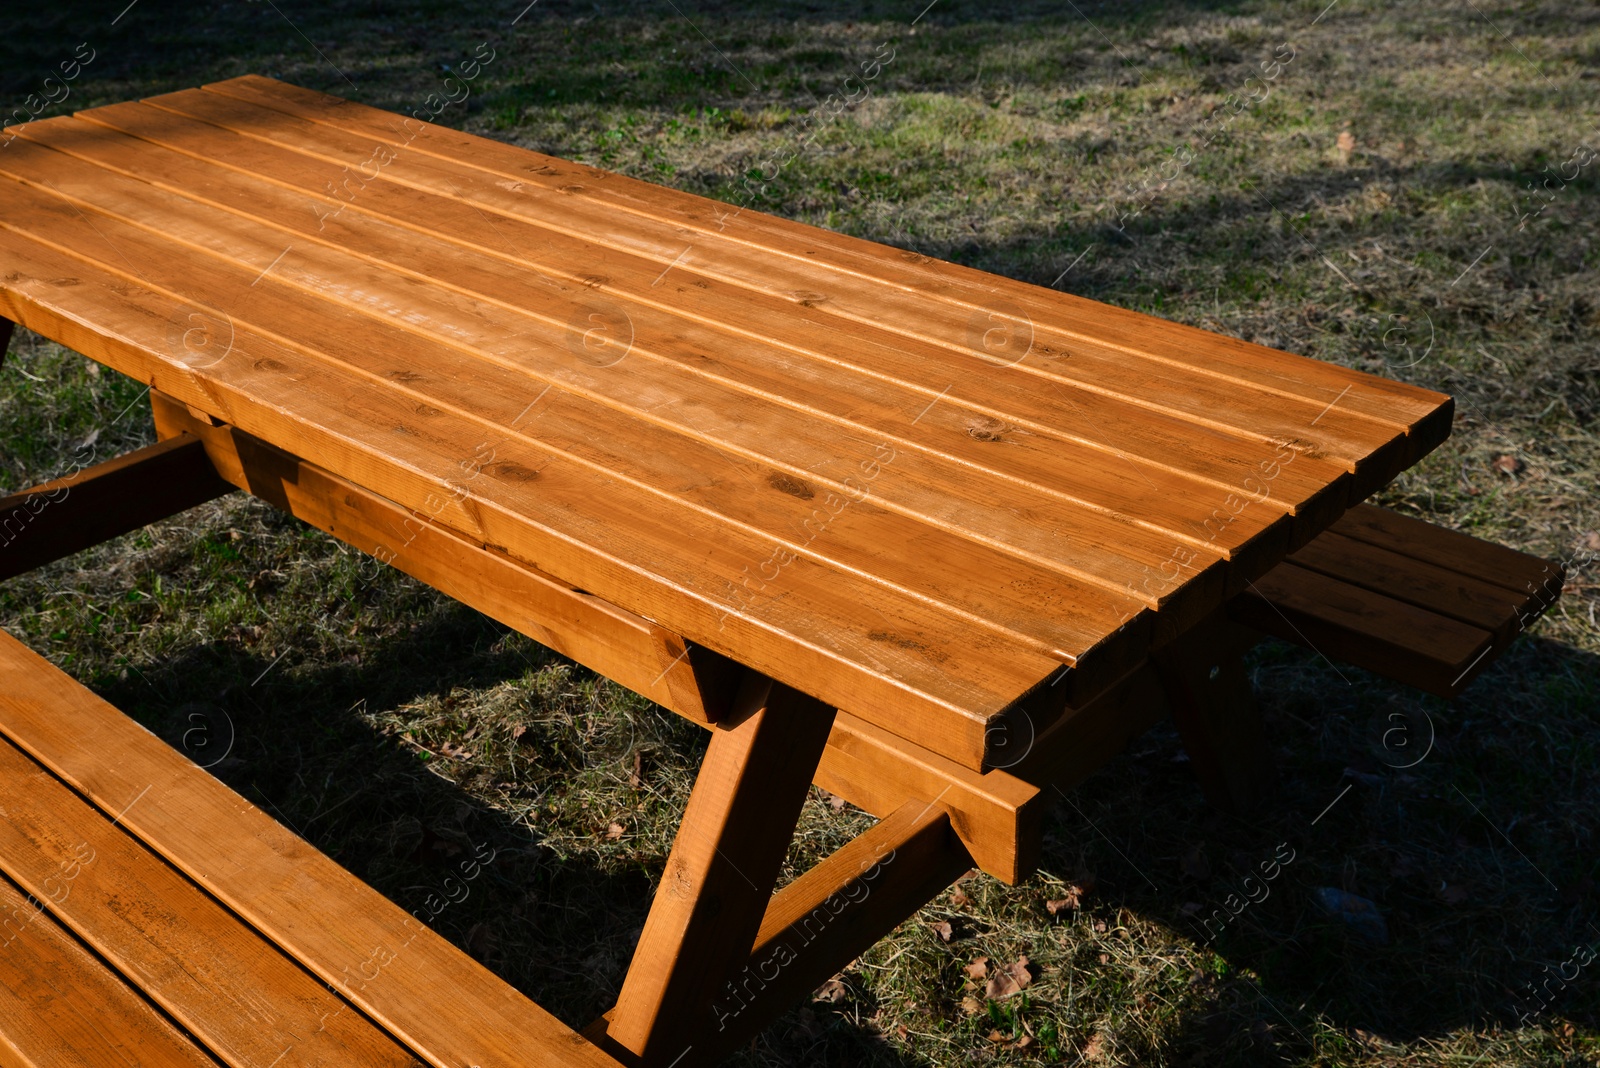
819	923
720	873
1215	710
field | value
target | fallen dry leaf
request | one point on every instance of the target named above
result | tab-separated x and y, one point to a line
959	898
942	929
971	1005
1095	1048
613	832
1076	891
833	990
1507	465
978	969
1012	979
636	776
518	731
1025	1041
996	1036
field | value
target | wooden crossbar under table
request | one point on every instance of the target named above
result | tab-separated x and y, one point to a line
927	536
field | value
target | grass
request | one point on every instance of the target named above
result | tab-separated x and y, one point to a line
1373	209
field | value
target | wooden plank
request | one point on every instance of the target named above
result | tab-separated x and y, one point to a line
1199	391
1443	590
691	680
236	993
995	814
905	667
980	546
1141	336
757	271
423	990
832	914
59	1005
1345	622
1519	572
733	340
1214	708
54	520
720	873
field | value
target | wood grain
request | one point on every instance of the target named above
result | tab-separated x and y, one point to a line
235	992
436	1000
59	1005
748	365
1414	602
692	681
947	692
871	768
861	293
721	871
1344	622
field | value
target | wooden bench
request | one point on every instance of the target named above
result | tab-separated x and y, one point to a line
144	893
1001	614
1405	599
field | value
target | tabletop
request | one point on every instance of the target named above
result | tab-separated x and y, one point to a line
925	494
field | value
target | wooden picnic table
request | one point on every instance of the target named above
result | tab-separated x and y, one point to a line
914	491
879	520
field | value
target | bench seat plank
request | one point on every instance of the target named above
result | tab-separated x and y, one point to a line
235	992
1421	582
1519	572
1344	622
59	1005
440	1003
1414	602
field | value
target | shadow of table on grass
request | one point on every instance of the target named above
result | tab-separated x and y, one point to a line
555	912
